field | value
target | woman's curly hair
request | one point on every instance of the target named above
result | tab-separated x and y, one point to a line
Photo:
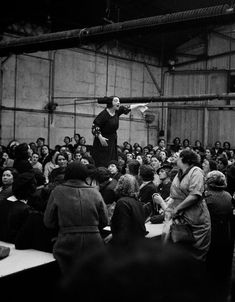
127	186
189	157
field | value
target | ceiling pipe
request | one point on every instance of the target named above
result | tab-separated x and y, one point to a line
168	99
72	38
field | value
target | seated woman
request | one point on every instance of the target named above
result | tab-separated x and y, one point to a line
155	164
186	144
163	189
57	175
198	147
176	145
114	169
128	220
147	189
162	156
106	186
208	165
8	177
51	165
208	154
33	234
8	162
14	210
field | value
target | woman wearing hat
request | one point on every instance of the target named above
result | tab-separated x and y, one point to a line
147	189
165	184
163	189
104	129
219	203
78	211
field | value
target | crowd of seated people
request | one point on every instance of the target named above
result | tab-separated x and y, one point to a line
41	169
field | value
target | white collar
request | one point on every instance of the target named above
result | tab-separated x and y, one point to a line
144	183
13	199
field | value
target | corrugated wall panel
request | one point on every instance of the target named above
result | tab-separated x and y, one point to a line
185	123
221	127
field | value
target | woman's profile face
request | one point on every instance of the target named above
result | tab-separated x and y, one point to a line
205	166
175	157
140	159
82	140
179	162
162	155
84	161
208	153
5	156
116	103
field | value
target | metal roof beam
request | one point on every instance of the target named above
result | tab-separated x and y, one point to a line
73	38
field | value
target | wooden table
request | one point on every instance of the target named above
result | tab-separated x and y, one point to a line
27	275
19	260
154	230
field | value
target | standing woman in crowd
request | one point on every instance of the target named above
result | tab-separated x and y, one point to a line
219	257
104	129
187	203
219	203
77	210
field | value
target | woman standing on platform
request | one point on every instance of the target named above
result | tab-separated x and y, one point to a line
104	129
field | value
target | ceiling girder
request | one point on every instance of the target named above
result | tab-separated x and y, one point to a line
73	38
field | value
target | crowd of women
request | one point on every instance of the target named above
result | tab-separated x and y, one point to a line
61	200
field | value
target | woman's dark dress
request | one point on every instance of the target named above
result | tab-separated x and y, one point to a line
107	125
128	221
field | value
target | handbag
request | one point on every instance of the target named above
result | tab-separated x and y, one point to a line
4	251
181	232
